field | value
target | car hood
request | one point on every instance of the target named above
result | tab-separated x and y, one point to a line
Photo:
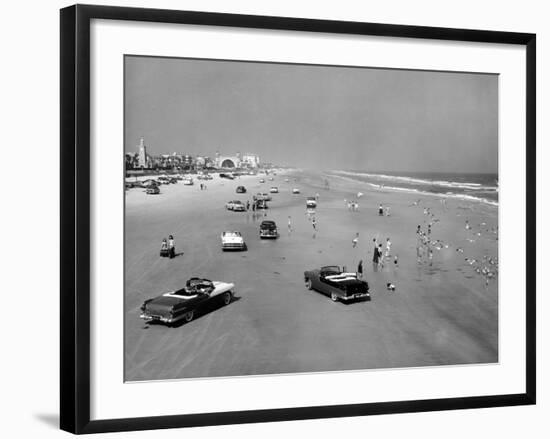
232	239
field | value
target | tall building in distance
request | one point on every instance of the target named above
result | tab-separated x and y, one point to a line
143	158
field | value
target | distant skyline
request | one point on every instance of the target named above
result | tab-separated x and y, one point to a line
318	117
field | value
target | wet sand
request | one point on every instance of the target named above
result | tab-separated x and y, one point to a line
443	314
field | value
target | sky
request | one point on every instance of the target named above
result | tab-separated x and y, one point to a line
317	117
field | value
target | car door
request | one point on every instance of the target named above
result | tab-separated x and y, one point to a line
320	285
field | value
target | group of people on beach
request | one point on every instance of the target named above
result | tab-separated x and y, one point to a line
203	186
353	206
168	248
380	255
383	211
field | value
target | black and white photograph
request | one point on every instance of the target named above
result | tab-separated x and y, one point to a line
294	218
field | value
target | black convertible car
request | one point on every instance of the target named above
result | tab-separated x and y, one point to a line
174	306
334	282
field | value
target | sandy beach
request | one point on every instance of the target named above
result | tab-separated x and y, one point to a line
443	313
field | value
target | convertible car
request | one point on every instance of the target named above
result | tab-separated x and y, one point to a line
334	282
232	241
235	206
173	306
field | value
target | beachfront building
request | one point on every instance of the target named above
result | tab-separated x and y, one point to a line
251	160
237	161
226	161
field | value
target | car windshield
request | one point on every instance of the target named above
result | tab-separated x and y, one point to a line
194	286
330	270
268	225
231	234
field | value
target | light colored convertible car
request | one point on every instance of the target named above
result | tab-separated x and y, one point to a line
233	241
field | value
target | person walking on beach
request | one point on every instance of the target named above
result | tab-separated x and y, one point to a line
289	225
247	205
314	224
355	240
380	256
380	210
360	269
375	255
171	246
388	247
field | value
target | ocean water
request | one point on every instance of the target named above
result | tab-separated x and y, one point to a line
475	187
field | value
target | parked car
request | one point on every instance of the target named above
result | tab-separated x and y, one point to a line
227	176
241	190
295	190
337	284
261	204
311	202
150	182
182	304
262	180
235	206
274	190
263	196
270	178
152	190
188	181
286	179
164	179
268	229
232	241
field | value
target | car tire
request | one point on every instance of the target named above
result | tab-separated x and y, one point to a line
188	316
227	297
309	286
333	297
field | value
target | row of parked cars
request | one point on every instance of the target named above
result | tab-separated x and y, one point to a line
152	185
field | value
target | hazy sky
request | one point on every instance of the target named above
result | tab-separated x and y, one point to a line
312	116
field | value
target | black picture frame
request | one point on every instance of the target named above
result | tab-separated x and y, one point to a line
75	216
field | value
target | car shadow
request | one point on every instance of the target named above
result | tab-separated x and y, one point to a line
361	300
